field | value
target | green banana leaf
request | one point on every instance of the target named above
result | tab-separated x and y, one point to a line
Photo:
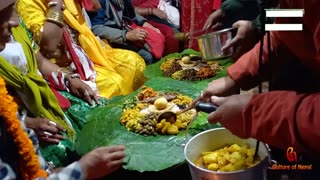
64	153
143	153
154	70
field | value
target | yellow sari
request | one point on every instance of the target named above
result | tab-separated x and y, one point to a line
120	72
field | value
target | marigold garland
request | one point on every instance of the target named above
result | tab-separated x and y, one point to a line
29	165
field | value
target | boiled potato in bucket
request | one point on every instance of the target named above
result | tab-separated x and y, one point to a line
229	158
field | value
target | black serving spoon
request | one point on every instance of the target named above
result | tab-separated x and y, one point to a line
200	107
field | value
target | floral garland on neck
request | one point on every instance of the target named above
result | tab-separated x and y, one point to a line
29	165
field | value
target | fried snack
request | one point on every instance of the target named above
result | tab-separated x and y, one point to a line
229	158
178	75
186	74
205	72
146	92
215	66
170	66
190	74
182	100
130	118
167	64
148	124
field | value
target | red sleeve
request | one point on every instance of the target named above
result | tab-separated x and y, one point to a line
284	119
245	72
216	4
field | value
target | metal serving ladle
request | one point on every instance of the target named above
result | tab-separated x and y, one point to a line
200	107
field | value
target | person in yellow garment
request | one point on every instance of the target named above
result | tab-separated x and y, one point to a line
64	36
22	70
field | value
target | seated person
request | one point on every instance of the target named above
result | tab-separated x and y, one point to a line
159	19
60	29
159	10
37	102
20	157
117	22
243	15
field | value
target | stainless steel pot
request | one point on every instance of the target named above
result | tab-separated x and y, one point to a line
217	138
210	44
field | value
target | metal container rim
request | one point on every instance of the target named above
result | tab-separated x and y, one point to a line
215	33
216	172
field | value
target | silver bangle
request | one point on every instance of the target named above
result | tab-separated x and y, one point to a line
74	75
50	168
52	3
55	3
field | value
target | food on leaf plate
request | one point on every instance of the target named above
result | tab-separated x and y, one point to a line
141	114
161	103
229	158
189	67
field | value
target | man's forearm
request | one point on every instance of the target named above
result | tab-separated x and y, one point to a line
234	10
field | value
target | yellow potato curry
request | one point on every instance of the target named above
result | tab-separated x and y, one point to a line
229	158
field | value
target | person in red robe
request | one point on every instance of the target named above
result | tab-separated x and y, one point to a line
288	115
193	17
159	19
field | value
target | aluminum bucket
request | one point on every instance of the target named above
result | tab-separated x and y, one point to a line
215	139
210	44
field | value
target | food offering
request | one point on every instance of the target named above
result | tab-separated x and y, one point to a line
143	113
189	67
229	158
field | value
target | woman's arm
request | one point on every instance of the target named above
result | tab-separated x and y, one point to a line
45	66
47	33
64	81
143	11
151	11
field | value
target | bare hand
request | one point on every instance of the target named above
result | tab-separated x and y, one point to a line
159	13
137	34
230	112
81	89
187	36
46	130
102	161
146	24
213	21
245	39
220	87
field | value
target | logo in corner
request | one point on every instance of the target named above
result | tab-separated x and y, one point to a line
291	155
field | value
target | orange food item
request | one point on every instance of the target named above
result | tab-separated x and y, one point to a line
205	72
146	92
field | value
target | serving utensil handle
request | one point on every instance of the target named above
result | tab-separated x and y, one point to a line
205	107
